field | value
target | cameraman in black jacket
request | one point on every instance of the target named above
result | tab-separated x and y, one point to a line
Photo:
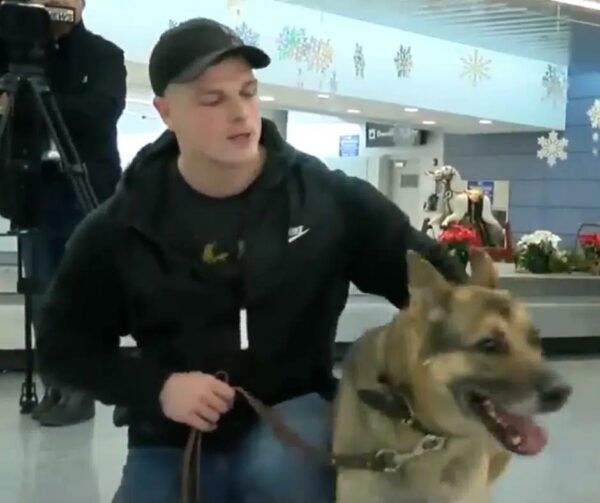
87	76
223	249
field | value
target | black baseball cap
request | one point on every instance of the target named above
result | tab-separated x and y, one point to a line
185	51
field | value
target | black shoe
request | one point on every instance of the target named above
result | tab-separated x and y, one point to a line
73	408
49	401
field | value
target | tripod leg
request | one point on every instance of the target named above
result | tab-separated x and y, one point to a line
29	398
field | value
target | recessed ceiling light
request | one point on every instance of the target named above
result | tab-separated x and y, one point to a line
429	123
323	96
266	98
411	110
485	121
353	111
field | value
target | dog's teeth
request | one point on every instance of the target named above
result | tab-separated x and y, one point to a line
489	407
516	440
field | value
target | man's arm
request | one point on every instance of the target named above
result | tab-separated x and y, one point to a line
101	99
85	314
380	235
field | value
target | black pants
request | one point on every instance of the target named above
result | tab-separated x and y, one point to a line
43	251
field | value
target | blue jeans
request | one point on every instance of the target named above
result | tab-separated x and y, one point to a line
259	469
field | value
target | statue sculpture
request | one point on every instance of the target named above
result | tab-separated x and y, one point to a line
456	206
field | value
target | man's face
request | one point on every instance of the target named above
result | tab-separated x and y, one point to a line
217	115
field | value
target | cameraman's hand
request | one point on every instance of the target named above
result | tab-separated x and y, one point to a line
196	399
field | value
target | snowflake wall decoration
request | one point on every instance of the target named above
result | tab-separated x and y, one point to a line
247	34
594	114
320	55
476	68
552	148
554	84
294	44
291	43
359	61
404	62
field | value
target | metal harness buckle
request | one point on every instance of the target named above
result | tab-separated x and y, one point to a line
390	460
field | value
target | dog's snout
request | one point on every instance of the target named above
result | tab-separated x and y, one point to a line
553	396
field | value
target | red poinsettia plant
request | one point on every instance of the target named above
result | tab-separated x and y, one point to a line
460	234
591	245
459	239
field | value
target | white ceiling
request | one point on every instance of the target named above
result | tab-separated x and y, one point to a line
141	117
531	28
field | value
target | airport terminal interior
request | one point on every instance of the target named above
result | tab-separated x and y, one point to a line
443	106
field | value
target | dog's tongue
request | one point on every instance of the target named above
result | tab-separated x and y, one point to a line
522	434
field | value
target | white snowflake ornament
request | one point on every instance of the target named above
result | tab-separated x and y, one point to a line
594	114
552	148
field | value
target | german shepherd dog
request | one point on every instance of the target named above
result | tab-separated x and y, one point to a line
431	406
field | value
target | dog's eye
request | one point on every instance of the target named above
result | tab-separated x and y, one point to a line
492	346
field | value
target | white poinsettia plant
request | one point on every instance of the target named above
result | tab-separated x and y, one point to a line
539	252
543	239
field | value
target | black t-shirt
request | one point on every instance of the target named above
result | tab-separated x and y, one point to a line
217	242
213	227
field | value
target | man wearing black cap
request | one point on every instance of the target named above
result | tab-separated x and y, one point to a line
224	249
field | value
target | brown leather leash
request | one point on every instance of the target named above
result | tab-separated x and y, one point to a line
190	481
380	460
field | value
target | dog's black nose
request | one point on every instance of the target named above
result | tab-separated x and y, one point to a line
553	397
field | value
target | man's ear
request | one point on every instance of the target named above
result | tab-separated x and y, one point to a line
164	110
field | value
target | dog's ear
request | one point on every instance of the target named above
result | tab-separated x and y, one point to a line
483	270
423	277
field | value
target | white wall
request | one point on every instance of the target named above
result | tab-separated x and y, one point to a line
319	135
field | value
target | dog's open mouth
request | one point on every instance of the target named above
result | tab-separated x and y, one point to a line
519	434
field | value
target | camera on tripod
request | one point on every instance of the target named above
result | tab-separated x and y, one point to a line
31	126
27	22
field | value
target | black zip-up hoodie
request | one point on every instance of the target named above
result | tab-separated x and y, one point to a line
124	273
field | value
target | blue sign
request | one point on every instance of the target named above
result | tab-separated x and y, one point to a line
349	145
487	186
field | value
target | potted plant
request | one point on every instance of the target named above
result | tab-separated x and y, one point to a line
458	239
539	253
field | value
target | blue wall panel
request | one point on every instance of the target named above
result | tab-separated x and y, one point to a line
557	198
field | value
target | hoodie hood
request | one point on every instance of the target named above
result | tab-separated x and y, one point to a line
140	192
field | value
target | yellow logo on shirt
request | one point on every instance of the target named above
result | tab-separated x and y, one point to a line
211	256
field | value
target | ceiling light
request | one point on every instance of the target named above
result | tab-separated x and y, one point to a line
429	123
586	4
266	98
323	96
485	122
411	110
353	111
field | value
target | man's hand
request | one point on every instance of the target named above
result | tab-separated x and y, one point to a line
196	399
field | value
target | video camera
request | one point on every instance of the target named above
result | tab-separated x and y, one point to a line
26	28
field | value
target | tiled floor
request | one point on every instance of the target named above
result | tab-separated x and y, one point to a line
82	464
